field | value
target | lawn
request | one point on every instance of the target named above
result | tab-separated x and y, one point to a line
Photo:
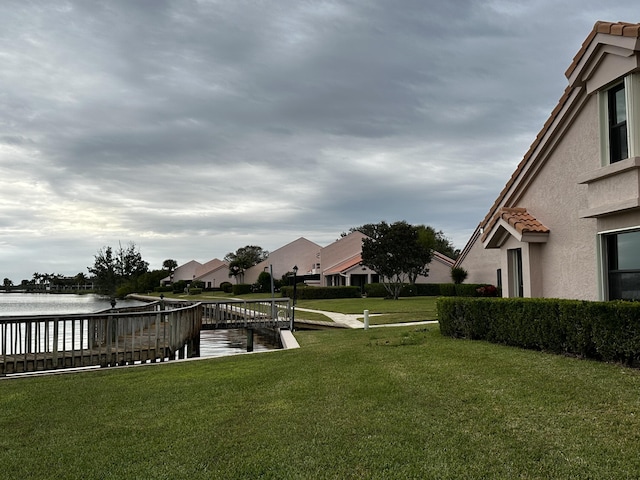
383	311
383	403
409	309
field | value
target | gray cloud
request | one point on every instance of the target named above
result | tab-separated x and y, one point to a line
196	127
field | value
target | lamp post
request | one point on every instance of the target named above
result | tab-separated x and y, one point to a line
295	282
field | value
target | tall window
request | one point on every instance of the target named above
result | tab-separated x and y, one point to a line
516	285
617	110
623	265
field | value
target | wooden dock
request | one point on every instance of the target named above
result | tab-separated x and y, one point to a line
157	332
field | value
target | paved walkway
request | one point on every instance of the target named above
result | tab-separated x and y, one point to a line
351	320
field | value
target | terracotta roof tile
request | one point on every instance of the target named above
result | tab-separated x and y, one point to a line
519	219
344	265
608	28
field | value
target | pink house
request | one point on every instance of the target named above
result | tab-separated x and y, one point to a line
567	223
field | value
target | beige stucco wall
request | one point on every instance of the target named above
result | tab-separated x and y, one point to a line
214	278
439	272
340	250
566	266
568	261
185	272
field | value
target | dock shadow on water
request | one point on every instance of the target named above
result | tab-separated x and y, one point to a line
220	343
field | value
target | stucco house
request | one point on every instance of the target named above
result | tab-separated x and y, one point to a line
567	223
213	273
186	272
302	253
341	264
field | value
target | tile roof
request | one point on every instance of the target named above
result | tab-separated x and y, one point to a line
519	219
343	266
619	29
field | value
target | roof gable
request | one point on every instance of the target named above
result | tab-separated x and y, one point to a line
603	33
516	222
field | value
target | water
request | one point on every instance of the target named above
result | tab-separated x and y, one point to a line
213	343
47	303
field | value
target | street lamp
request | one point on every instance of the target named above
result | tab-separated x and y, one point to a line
295	282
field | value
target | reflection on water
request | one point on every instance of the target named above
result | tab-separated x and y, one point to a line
218	343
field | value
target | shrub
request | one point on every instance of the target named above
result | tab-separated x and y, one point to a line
447	290
264	282
458	275
319	293
226	287
241	289
608	331
179	286
195	291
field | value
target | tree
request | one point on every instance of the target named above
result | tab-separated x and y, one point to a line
111	271
440	242
244	258
7	284
458	275
170	265
396	252
264	282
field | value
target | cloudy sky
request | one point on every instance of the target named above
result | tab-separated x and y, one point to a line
195	127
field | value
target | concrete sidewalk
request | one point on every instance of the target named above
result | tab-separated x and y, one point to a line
351	320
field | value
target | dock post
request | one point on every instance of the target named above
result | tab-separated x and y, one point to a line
249	340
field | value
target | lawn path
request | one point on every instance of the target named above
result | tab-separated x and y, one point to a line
351	320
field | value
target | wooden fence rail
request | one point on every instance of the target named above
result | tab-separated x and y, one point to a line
44	342
157	331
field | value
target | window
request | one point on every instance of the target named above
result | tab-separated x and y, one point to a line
623	265
617	123
516	286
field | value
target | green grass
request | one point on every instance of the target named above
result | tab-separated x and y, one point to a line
384	403
410	309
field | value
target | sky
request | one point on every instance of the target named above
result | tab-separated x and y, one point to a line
195	127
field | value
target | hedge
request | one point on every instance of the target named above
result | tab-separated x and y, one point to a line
435	290
241	289
607	331
320	293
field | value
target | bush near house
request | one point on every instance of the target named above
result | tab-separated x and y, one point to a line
241	289
320	293
608	331
226	287
436	290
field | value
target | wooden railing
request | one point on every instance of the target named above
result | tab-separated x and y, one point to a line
269	313
157	331
36	343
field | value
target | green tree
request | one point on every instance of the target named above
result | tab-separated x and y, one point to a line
244	258
397	253
264	282
169	265
458	275
441	243
113	270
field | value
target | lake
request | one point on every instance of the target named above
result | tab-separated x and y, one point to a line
213	343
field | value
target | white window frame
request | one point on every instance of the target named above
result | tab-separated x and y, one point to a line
632	98
603	259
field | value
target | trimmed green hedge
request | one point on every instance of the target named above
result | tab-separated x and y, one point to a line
608	331
241	289
320	293
435	290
